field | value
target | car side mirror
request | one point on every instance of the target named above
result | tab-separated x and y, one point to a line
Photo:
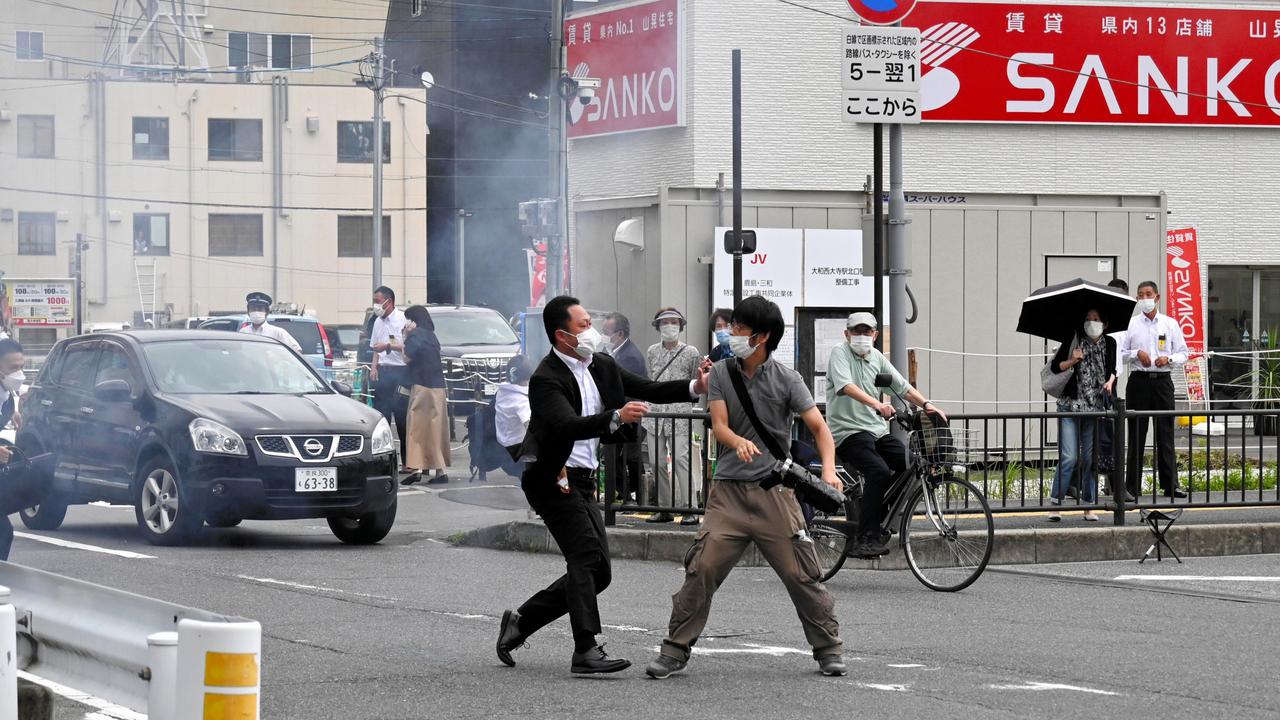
113	391
342	388
884	380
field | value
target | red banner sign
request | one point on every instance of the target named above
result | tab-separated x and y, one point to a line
1114	64
635	52
1183	298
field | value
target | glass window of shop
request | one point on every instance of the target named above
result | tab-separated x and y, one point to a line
1244	317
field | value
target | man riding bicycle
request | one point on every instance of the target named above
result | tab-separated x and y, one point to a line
859	421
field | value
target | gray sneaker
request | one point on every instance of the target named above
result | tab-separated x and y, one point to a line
664	667
833	666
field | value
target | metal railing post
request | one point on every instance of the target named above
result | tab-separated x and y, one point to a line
1119	440
613	462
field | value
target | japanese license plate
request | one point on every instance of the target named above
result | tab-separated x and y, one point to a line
315	479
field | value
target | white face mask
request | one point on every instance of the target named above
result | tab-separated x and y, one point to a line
378	311
740	346
861	344
669	332
257	317
1093	329
1146	305
13	381
589	341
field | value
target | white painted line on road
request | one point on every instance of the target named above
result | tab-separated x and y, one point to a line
1037	686
464	616
104	504
748	649
625	628
81	546
907	665
105	708
313	588
885	687
1200	578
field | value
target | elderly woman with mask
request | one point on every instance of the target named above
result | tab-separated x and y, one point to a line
1091	358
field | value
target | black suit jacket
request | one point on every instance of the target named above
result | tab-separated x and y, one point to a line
631	359
556	421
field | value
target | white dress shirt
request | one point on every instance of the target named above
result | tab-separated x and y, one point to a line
1144	334
584	451
511	413
383	329
1119	338
266	329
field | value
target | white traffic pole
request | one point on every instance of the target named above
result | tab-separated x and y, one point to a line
162	657
219	675
8	658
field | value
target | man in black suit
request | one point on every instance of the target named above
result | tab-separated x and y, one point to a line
577	396
617	330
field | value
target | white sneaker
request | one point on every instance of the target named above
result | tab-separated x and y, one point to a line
1090	516
1055	516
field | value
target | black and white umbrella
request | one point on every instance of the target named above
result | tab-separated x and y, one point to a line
1057	312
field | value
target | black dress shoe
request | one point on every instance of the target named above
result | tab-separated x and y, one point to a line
869	548
509	637
1176	493
596	660
660	518
411	478
690	520
439	480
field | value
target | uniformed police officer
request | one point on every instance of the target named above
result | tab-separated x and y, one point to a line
258	305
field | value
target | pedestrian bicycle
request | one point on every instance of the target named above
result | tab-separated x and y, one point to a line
943	522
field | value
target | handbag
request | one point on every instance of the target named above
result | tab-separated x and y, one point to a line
809	489
1053	383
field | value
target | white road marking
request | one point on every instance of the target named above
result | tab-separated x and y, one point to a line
104	504
464	616
885	687
105	708
1037	686
625	628
81	546
1200	578
314	588
907	665
748	649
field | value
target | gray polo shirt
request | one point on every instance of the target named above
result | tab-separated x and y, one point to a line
778	394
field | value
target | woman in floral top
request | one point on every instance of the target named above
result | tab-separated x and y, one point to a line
1091	358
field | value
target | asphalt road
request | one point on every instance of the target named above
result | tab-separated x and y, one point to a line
406	629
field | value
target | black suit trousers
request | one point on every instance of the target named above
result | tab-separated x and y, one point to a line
578	528
1151	391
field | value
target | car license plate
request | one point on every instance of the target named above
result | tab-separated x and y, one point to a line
490	389
315	479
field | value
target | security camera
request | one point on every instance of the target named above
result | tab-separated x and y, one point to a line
428	80
586	95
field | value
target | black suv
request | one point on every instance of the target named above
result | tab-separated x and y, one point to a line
198	426
475	345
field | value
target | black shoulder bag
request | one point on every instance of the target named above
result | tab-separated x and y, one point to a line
810	489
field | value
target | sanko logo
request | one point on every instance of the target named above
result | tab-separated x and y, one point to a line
631	95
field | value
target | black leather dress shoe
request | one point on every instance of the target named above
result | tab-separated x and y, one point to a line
660	518
509	637
869	548
1176	493
596	660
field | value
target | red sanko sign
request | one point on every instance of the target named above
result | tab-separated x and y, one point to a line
1113	64
882	12
1183	299
635	52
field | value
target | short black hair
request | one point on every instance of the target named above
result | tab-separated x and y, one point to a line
1149	284
9	345
1119	284
519	369
419	316
555	316
761	316
620	323
387	292
724	314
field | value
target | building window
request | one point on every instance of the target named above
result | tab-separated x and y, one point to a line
150	234
235	236
1243	306
269	51
355	142
415	8
36	234
30	45
239	140
35	136
150	138
355	236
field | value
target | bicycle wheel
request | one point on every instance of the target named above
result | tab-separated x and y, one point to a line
830	535
947	534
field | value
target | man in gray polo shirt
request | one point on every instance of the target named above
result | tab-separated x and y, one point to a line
739	511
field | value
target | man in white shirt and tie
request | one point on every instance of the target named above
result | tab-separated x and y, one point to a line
1153	345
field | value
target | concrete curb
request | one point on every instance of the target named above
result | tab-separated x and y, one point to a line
1012	547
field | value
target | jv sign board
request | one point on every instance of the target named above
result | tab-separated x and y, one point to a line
1113	64
637	52
880	74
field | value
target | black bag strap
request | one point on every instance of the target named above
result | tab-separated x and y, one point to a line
740	387
673	359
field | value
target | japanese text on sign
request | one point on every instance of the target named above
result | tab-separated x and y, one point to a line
41	303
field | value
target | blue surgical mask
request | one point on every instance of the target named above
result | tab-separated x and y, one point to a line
722	336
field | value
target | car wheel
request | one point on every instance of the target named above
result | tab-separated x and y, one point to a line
160	505
365	529
48	515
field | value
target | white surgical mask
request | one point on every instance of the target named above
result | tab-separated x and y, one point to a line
1093	329
861	344
740	346
589	341
13	381
378	311
257	317
669	332
1146	305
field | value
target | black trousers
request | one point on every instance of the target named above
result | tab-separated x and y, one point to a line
879	460
578	528
6	537
1151	391
388	400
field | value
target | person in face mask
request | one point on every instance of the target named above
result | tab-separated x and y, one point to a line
1153	345
258	305
577	396
859	419
720	333
617	330
11	377
1091	358
672	359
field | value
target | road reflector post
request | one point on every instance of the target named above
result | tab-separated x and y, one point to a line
8	658
162	660
218	673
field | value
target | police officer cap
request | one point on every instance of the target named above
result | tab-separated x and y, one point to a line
257	297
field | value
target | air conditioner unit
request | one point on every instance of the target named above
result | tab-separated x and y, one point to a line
630	232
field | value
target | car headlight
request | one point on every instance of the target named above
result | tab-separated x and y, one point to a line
383	440
212	437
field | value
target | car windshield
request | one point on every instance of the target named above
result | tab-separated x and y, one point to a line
350	337
229	367
473	328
